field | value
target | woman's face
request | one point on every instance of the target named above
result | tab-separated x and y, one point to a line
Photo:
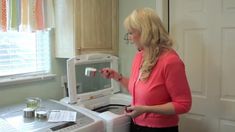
134	37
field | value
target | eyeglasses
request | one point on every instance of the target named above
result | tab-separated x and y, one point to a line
126	37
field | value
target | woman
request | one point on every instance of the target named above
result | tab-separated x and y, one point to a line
157	83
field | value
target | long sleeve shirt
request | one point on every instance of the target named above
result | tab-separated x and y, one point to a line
166	83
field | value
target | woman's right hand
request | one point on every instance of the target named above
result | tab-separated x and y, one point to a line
109	73
112	74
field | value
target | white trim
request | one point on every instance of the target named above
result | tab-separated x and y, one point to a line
159	8
170	16
162	10
18	80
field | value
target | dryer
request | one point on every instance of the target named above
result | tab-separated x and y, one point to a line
98	95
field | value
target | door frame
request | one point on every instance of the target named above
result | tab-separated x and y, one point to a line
163	11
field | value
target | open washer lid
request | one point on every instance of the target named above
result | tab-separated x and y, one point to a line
81	87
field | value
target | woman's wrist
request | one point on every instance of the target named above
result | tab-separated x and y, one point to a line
118	77
147	109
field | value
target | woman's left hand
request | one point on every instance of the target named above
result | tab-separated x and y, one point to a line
135	111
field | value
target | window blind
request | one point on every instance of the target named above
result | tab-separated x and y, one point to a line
23	53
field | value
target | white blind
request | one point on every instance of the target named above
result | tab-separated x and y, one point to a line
23	53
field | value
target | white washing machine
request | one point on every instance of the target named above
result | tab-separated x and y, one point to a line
12	120
98	95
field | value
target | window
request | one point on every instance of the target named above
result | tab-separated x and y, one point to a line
24	53
25	40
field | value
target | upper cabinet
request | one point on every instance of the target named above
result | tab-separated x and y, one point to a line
85	26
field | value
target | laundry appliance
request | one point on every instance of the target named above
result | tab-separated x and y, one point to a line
98	95
12	119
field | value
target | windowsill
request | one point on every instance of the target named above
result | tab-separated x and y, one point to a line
19	80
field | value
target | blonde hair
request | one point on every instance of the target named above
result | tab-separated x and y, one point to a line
153	37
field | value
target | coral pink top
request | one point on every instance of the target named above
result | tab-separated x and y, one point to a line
166	83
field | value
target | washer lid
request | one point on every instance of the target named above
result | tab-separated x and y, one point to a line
82	87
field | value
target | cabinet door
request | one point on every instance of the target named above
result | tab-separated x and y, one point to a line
97	26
